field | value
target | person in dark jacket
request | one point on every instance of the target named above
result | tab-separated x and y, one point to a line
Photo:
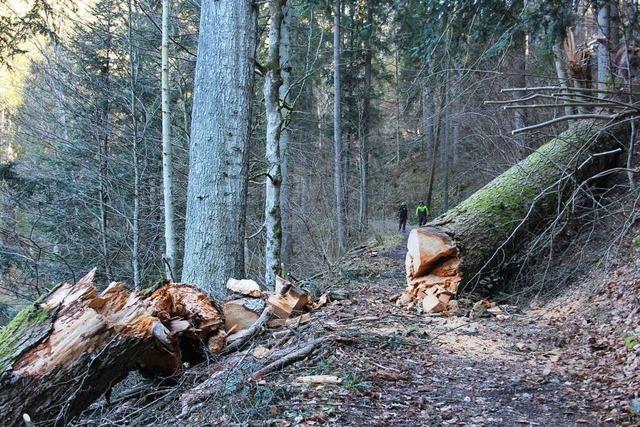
422	212
403	214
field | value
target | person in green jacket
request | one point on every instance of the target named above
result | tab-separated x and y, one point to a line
422	212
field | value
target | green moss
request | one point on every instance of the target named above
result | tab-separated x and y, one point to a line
630	341
21	331
508	197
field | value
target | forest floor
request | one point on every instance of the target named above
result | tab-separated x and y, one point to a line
573	360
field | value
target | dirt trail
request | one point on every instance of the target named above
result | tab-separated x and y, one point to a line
396	367
406	369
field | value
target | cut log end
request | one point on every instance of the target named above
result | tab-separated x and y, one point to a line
62	353
432	269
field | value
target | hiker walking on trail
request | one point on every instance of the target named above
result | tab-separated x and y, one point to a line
422	212
403	213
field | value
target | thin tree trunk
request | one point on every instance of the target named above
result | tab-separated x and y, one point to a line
561	73
447	145
434	155
337	132
135	258
363	128
167	152
285	71
397	79
607	22
521	47
218	161
272	83
103	195
455	146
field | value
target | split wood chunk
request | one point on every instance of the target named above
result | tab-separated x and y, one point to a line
64	352
426	248
246	287
287	300
241	313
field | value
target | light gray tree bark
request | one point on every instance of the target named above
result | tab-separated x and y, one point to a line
285	136
337	132
607	23
271	92
103	153
218	158
561	72
167	152
135	226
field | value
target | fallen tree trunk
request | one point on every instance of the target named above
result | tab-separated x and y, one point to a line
64	352
472	240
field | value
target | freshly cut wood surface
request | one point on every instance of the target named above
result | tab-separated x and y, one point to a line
288	301
426	247
64	352
246	287
241	313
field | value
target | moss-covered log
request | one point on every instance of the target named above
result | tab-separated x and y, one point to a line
473	239
65	351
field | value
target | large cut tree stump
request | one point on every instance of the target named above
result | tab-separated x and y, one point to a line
65	351
472	240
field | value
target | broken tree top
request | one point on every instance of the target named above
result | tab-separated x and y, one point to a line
62	353
473	239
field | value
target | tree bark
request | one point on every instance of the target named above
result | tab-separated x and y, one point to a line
561	72
364	125
105	126
434	153
337	132
64	352
272	210
135	246
170	253
218	164
472	240
285	136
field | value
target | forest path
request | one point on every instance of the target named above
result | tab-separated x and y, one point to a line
402	368
394	366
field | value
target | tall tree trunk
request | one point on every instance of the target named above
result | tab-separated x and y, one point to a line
363	128
607	22
520	71
337	132
272	83
167	152
105	124
285	191
218	161
397	80
135	257
561	73
447	142
458	107
434	154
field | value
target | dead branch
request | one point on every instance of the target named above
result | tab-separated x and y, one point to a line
570	117
289	359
